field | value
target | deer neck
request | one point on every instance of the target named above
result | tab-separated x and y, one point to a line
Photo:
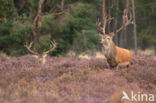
110	54
109	50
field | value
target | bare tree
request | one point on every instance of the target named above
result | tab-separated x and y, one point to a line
62	5
116	21
134	27
37	19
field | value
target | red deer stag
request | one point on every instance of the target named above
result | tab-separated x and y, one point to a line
116	56
41	56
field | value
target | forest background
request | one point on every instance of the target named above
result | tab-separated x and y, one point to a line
72	24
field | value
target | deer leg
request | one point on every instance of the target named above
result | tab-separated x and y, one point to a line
121	66
117	68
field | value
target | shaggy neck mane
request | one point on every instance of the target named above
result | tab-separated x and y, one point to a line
109	50
110	53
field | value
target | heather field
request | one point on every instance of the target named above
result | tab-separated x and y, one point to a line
73	80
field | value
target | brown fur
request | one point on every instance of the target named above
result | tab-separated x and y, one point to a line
123	56
115	56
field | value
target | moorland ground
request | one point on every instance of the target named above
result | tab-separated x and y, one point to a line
72	80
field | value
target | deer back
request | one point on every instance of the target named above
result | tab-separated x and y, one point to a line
123	56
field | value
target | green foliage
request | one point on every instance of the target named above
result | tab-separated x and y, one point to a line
13	36
19	31
31	7
70	29
47	23
146	22
85	40
7	9
74	30
79	28
147	39
44	44
5	37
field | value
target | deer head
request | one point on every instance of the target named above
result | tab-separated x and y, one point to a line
106	38
41	56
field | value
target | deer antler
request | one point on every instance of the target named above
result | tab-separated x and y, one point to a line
29	48
106	19
127	19
53	43
99	28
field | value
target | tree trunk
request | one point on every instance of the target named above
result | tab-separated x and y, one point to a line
134	28
125	39
62	5
116	22
20	4
36	21
122	38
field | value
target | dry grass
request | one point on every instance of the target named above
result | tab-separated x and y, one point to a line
150	51
98	54
72	80
3	56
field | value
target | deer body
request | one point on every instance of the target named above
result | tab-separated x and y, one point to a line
123	57
115	55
